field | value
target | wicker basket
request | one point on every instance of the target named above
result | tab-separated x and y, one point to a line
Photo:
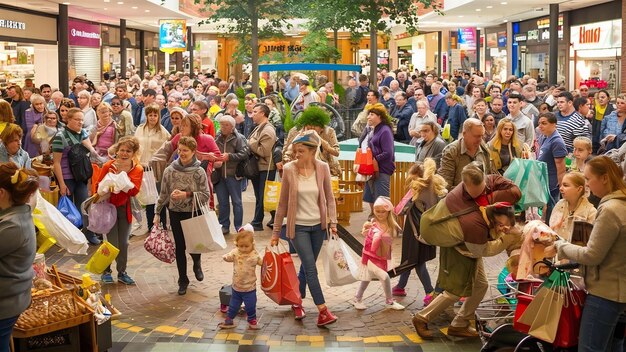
48	309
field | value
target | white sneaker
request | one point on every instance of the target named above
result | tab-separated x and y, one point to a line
395	306
358	304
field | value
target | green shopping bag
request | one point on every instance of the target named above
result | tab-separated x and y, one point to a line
531	176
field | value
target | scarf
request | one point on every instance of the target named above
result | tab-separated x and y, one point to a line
100	129
600	111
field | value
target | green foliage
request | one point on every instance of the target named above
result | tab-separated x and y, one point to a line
316	48
340	91
241	95
313	116
288	123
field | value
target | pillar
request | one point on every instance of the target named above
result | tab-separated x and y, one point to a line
477	50
63	51
439	48
554	43
142	53
123	53
190	47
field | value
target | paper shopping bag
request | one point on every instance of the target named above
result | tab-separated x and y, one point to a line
532	307
339	264
148	193
569	324
103	257
51	196
364	162
278	278
271	195
546	322
202	232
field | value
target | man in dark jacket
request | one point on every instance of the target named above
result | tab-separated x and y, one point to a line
402	112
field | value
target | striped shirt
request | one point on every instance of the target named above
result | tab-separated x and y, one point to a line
572	126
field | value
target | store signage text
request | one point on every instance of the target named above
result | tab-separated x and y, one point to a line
533	34
587	36
598	35
520	37
280	48
78	33
83	34
12	25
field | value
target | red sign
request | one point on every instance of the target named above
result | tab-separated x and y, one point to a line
83	34
588	36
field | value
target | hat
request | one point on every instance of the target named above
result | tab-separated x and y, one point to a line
384	202
308	138
181	111
305	82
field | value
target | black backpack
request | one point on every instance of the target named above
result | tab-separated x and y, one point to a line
78	159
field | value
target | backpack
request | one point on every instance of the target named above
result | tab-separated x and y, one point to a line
78	159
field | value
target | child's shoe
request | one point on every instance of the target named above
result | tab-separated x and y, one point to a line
227	324
325	318
394	305
358	304
298	311
224	308
398	291
429	298
252	325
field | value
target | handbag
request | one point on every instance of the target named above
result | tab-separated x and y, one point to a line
102	258
248	168
148	193
531	176
405	203
271	192
202	232
340	268
68	209
278	277
160	245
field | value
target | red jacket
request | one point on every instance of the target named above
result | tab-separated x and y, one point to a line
123	198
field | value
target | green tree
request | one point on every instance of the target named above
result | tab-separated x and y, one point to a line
248	21
315	48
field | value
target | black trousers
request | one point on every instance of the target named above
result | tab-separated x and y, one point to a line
179	241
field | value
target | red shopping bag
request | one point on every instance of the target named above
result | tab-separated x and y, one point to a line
569	324
278	278
365	162
522	303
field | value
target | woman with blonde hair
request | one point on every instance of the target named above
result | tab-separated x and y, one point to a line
104	135
505	145
574	206
604	257
11	146
427	188
33	117
6	114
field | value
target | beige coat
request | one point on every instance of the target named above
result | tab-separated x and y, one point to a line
150	141
563	224
261	142
605	254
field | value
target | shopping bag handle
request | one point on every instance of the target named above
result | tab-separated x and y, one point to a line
276	249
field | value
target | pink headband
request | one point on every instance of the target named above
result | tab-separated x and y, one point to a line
384	202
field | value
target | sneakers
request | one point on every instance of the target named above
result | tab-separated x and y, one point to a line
252	325
462	332
398	291
429	298
421	328
298	311
125	279
394	305
325	318
227	324
224	308
358	304
197	270
107	278
93	239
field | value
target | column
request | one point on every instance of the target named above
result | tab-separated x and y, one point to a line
623	61
63	51
123	53
190	47
142	53
477	50
439	48
554	43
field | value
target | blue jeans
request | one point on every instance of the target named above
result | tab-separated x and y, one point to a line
247	298
422	274
6	328
555	196
308	242
258	184
376	188
598	323
229	187
79	192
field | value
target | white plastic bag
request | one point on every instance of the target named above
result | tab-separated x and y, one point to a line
340	268
66	234
202	232
148	194
115	183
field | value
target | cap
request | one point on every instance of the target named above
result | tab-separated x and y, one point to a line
308	138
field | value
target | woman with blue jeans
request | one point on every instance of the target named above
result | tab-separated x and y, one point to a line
604	258
306	199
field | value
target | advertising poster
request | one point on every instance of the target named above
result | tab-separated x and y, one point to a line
83	34
467	38
173	36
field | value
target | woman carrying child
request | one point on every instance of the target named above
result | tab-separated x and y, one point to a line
379	233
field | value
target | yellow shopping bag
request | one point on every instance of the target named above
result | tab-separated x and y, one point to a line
271	195
51	196
44	240
103	257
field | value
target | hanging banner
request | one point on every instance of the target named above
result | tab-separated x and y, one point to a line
172	36
467	38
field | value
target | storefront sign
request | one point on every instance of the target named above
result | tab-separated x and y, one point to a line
520	37
83	34
283	47
172	36
27	26
600	35
501	39
533	34
467	38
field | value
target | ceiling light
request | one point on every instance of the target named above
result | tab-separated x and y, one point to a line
477	10
107	0
505	21
461	16
490	7
146	11
105	9
134	7
503	3
120	3
66	3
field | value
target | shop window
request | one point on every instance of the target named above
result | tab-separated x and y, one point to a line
17	63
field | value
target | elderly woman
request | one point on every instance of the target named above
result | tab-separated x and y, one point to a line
378	136
431	144
422	115
461	270
234	149
11	146
32	120
84	99
307	200
151	136
105	134
18	245
125	161
604	257
181	181
505	145
123	119
43	135
317	119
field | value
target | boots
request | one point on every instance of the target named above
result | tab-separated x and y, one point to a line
197	270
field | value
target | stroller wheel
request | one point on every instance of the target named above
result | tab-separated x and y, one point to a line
532	344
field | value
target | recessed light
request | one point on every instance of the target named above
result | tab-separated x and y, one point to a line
503	3
66	3
146	11
477	10
105	9
461	16
505	21
490	7
134	7
120	3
